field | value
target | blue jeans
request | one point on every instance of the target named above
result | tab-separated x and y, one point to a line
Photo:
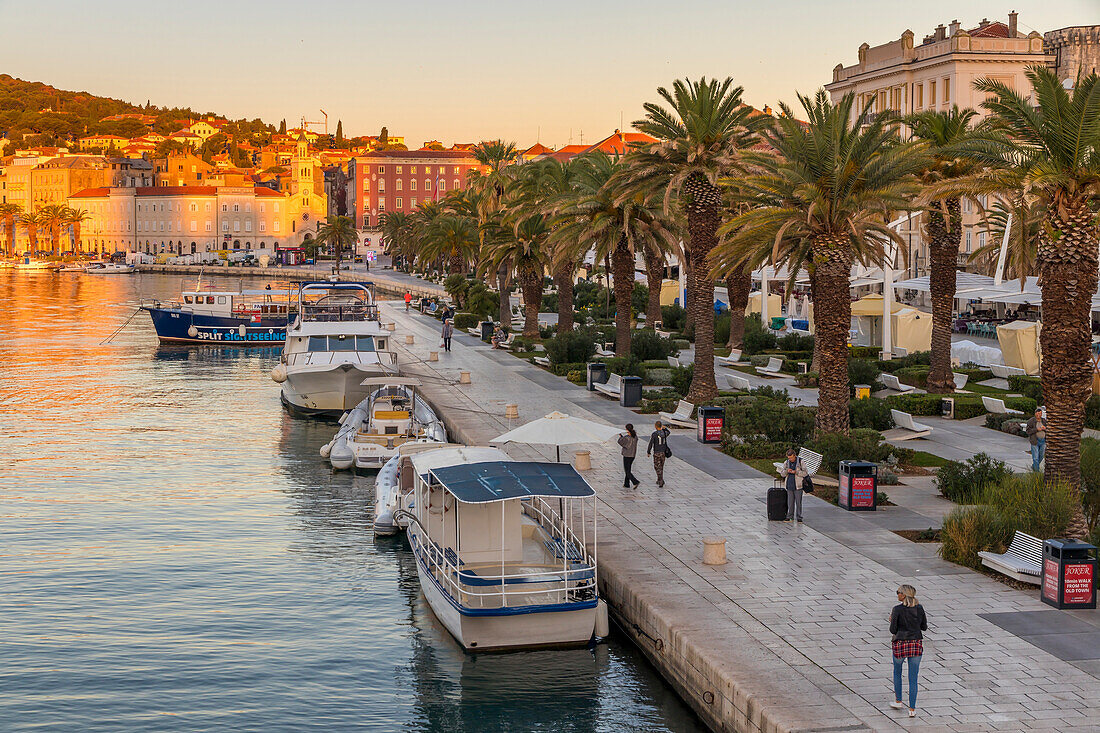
1037	452
914	668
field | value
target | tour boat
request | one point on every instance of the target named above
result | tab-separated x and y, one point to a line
389	417
501	549
110	268
334	343
28	264
238	317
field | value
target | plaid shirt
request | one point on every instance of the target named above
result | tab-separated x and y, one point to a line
908	648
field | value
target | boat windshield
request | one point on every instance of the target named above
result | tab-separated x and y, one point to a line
341	343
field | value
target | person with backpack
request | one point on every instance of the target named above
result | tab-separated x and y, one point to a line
629	443
658	448
907	624
794	473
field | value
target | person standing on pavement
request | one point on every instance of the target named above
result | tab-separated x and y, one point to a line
1036	430
794	472
907	624
629	443
408	300
658	447
448	332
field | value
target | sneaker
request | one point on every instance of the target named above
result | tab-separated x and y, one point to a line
912	713
897	705
800	520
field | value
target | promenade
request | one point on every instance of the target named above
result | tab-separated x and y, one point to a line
792	634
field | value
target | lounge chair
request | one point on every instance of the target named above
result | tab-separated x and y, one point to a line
960	381
733	358
892	382
811	461
613	387
905	421
604	351
1023	560
772	368
506	344
673	361
738	382
542	361
1004	371
997	406
682	416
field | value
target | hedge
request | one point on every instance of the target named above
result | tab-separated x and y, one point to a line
1010	424
462	321
966	406
914	375
1027	386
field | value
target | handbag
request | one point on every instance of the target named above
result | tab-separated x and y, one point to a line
668	451
807	485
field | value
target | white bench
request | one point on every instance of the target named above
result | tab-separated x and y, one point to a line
738	382
613	387
507	342
673	361
733	358
997	406
960	380
905	421
811	461
682	416
1004	371
773	367
892	382
663	334
476	330
1023	560
542	361
900	351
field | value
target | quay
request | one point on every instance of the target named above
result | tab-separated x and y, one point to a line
792	634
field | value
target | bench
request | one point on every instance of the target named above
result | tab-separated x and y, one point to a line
506	344
811	461
733	358
542	361
892	382
997	406
738	382
613	387
682	416
1023	560
912	428
960	380
772	368
1004	372
476	330
604	351
900	351
673	361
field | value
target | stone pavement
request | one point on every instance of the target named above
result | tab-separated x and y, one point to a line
792	633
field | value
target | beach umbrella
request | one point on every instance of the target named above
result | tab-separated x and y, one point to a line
558	429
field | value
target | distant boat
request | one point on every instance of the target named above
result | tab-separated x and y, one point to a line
27	264
110	268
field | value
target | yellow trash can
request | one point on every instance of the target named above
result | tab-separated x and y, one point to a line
863	391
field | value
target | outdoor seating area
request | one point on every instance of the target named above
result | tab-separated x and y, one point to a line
909	428
892	382
1023	560
682	417
997	406
773	367
613	387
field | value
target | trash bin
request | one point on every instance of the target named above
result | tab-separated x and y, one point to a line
596	374
803	368
858	490
1069	574
487	330
863	391
711	421
630	391
947	407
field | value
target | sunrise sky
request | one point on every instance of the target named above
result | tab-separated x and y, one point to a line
464	70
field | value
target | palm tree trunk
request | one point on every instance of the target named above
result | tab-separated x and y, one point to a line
563	278
454	263
654	277
1068	266
944	235
622	264
531	282
738	285
689	318
815	362
703	217
832	255
504	287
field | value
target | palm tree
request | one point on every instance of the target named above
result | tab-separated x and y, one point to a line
396	227
524	246
699	140
53	218
1051	150
487	185
942	132
9	213
75	218
822	198
31	220
1021	218
451	238
338	232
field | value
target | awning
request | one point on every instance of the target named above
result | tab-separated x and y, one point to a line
480	483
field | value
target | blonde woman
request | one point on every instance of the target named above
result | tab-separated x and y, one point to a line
907	622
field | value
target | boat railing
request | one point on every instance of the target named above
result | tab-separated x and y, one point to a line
339	312
551	522
325	358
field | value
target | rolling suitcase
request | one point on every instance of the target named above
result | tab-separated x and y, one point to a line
777	502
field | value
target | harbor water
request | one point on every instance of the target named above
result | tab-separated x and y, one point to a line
176	556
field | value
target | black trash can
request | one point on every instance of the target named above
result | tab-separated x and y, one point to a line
858	491
487	328
596	374
630	391
1069	574
710	420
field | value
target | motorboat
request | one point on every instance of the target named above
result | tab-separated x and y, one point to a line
502	549
29	264
110	268
207	316
392	415
393	485
334	343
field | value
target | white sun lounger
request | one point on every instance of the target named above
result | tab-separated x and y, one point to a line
892	382
733	358
673	361
542	361
905	421
613	387
773	367
602	350
960	380
1004	372
682	416
738	382
997	406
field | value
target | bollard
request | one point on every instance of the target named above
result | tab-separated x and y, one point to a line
463	377
391	326
714	551
433	356
511	411
584	460
409	338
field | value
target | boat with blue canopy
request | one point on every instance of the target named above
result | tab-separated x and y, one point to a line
505	550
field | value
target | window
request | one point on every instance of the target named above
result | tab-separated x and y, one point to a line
968	241
194	225
236	207
208	206
981	239
455	185
221	300
276	204
225	227
209	226
932	94
225	207
946	91
275	226
193	207
366	185
413	170
456	170
248	206
399	184
381	169
381	205
918	92
412	204
248	225
399	202
442	185
428	184
263	226
262	207
412	185
399	169
236	225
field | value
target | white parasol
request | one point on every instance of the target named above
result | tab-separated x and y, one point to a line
558	429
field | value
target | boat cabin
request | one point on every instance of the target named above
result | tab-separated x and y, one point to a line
263	303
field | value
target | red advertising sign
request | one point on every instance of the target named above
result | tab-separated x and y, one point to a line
713	430
843	497
863	491
1078	585
1050	579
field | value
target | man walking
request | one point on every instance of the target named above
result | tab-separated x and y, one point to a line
1036	430
658	448
408	300
448	331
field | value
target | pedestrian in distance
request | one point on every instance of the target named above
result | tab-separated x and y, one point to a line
794	472
448	332
1036	430
498	337
629	443
658	448
907	624
408	300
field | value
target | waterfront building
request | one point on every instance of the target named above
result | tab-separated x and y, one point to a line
401	180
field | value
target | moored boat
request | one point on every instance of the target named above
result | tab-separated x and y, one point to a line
110	268
29	264
238	317
393	485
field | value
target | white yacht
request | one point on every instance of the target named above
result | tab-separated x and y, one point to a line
110	268
502	548
371	434
335	343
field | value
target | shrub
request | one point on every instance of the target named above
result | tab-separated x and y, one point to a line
571	347
651	406
756	339
863	352
796	342
562	370
463	321
772	420
806	380
969	530
577	376
625	366
964	483
681	378
673	317
456	286
722	328
646	344
1092	412
862	371
975	373
522	344
915	375
1005	423
1027	386
870	413
1090	480
1029	503
482	301
754	449
549	303
658	377
859	446
546	332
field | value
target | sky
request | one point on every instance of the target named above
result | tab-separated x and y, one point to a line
466	70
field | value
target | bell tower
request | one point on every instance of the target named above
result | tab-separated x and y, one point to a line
301	166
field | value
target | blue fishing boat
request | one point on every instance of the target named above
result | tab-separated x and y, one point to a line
204	316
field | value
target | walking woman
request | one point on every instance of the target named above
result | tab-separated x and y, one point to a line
448	332
658	446
907	622
629	443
